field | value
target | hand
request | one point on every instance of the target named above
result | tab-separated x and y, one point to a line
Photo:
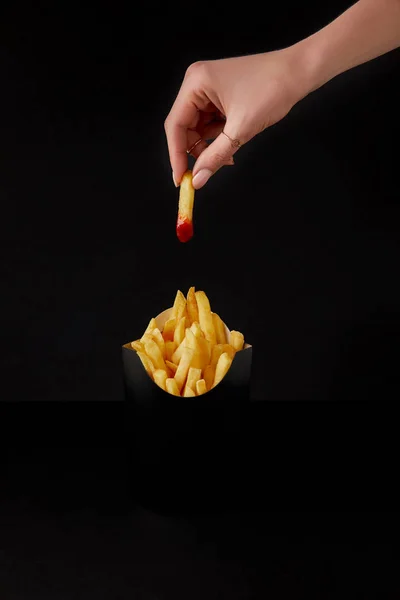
240	96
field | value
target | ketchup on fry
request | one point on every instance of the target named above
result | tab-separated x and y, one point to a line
184	229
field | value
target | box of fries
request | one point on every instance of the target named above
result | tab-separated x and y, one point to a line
187	385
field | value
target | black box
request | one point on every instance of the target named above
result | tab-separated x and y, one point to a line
187	453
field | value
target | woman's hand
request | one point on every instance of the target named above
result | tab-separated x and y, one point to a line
238	96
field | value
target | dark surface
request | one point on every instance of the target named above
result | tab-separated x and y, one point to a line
297	246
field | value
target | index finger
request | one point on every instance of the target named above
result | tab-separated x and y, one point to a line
182	116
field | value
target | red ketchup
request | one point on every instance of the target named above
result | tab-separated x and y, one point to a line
184	229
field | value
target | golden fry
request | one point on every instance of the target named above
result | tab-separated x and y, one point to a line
170	348
172	387
179	333
191	306
171	366
138	346
219	329
147	363
160	377
152	325
195	327
168	331
193	377
201	387
208	376
236	340
154	353
200	359
183	367
176	357
159	340
205	317
188	392
179	307
223	365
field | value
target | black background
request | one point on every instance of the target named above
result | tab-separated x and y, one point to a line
296	245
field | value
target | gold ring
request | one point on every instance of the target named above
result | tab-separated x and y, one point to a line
194	145
234	143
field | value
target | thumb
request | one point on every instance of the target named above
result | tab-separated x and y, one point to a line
216	155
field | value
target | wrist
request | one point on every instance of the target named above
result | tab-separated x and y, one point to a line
313	66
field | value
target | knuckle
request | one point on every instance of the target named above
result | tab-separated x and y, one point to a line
196	69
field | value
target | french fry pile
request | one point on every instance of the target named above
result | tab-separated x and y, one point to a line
191	354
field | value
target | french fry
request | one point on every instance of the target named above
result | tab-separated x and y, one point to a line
179	307
168	331
172	387
236	340
219	329
223	365
170	348
159	340
195	327
183	367
176	357
184	223
154	353
208	376
171	366
138	346
188	392
205	317
193	377
191	306
220	349
179	333
201	387
147	363
200	359
160	377
152	325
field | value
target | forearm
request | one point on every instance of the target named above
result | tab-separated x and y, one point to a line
365	31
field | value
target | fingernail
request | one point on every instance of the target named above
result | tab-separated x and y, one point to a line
174	180
201	178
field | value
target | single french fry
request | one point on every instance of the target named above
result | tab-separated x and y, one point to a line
146	337
216	352
179	333
195	327
154	353
168	331
219	329
171	366
179	307
201	387
236	340
208	376
223	365
152	325
147	363
193	377
138	346
229	349
199	358
172	387
183	367
170	348
176	357
159	340
188	392
160	377
191	306
205	317
184	223
206	348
